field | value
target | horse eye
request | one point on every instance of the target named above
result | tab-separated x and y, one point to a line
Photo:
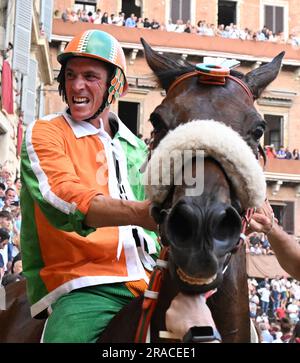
156	120
258	133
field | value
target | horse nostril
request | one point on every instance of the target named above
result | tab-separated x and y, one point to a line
181	224
226	227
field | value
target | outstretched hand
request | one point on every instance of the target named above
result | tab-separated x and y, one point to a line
263	220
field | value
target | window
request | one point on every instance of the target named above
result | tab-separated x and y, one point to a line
88	5
22	37
47	17
284	212
129	113
180	9
274	18
274	130
227	12
131	7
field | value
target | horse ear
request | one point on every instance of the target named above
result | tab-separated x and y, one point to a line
160	64
258	79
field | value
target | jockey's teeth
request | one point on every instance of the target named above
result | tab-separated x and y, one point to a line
195	280
80	100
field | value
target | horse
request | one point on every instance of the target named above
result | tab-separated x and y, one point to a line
202	231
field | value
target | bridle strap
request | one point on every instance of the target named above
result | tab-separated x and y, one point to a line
151	296
197	74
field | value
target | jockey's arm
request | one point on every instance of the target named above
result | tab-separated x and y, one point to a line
107	212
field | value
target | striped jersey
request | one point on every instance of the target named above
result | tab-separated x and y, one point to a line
64	165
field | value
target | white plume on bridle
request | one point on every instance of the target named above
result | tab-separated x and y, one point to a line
219	142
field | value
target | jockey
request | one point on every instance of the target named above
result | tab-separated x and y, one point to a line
87	245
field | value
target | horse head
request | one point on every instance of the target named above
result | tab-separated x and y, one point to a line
216	115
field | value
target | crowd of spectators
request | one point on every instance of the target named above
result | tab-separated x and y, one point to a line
281	153
274	306
258	244
202	27
10	226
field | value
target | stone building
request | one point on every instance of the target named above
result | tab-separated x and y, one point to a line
279	104
25	28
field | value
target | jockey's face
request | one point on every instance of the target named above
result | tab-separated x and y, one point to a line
86	85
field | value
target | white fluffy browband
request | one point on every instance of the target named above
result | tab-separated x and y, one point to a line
221	143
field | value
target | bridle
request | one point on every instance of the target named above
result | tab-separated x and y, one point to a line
211	75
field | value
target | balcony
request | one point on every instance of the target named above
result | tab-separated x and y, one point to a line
183	43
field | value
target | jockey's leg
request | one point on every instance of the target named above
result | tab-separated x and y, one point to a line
82	315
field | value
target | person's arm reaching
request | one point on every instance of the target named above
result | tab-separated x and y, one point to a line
286	248
106	211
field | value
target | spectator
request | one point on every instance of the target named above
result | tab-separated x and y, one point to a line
288	154
16	272
2	195
140	23
286	327
265	298
73	17
293	311
256	249
84	17
270	151
295	154
188	27
120	19
6	223
97	16
66	15
281	154
147	23
17	266
275	298
17	187
179	27
90	17
253	304
295	338
155	24
265	335
104	19
5	174
4	238
131	21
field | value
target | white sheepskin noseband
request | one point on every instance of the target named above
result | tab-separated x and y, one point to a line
219	142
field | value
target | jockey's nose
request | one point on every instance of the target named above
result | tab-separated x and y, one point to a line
78	83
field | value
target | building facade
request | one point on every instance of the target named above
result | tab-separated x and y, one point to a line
279	104
25	28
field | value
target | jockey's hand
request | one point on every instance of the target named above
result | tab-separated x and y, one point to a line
147	220
186	311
